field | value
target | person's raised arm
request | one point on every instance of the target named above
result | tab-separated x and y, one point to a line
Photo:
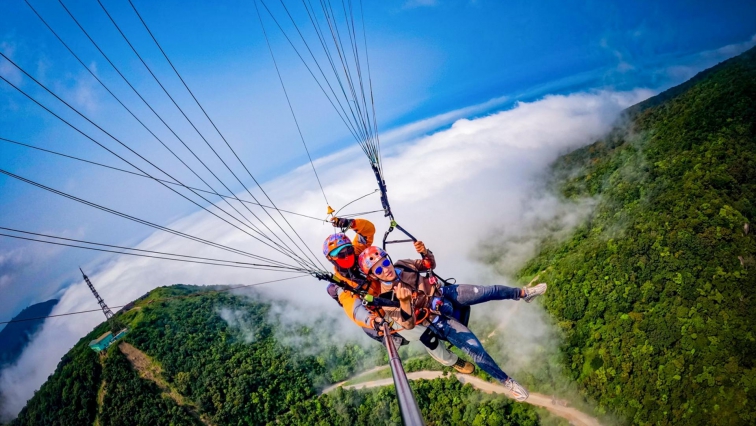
365	234
428	261
364	228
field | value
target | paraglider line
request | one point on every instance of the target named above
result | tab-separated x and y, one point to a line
156	300
149	177
288	101
261	268
118	28
249	225
233	151
141	250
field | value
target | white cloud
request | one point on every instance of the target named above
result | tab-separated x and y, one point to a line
239	320
450	189
623	65
511	245
403	133
10	262
730	50
79	89
688	66
84	95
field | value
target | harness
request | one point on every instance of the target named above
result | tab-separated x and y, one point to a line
461	313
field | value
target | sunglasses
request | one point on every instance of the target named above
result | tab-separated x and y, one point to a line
344	252
379	270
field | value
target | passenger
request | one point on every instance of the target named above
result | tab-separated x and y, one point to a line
353	285
422	302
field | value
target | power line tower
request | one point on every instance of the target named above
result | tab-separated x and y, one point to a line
115	327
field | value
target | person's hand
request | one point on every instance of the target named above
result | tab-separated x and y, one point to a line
377	323
341	222
403	293
420	247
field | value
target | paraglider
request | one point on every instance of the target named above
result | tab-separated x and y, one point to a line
350	288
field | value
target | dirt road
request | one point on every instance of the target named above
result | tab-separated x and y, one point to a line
364	373
570	414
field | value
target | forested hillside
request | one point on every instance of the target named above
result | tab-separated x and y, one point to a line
230	376
221	359
442	401
655	293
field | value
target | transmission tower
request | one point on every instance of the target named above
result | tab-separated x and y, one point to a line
115	327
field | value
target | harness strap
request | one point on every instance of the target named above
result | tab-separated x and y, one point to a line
420	311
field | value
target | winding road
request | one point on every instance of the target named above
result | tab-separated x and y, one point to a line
570	414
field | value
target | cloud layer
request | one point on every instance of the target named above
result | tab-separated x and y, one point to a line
455	189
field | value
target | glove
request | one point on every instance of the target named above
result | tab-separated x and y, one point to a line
341	222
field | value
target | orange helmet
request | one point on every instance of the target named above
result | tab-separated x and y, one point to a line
369	257
333	242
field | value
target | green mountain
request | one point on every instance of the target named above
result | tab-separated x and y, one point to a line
199	357
655	293
15	336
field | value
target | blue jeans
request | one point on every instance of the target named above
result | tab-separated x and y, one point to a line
460	336
467	295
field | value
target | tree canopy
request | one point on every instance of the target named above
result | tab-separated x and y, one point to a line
655	292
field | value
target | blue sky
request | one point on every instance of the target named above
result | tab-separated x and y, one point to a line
428	58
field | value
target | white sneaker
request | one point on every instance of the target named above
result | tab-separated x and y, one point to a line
533	292
516	390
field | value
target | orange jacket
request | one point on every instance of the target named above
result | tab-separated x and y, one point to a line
352	305
349	300
365	233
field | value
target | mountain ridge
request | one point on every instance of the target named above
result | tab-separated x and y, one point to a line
16	335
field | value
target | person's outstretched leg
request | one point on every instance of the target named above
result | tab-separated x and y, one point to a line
466	294
440	354
460	336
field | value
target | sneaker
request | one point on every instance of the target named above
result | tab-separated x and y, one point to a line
516	390
463	366
533	292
